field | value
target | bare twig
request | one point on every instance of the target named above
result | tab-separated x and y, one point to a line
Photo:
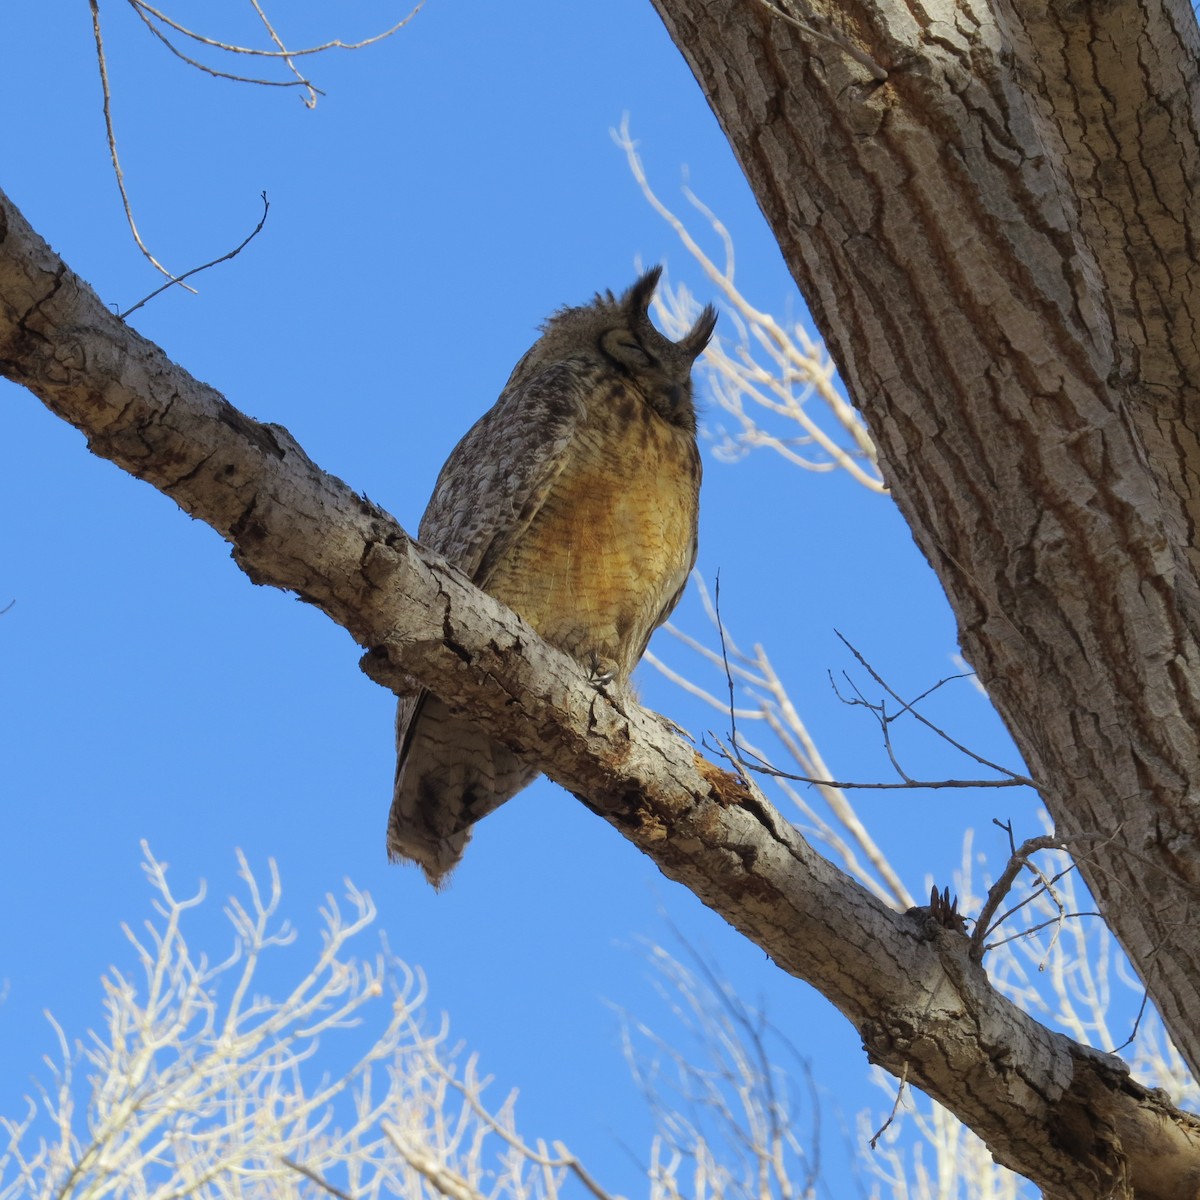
1018	860
469	1089
322	1183
233	48
202	66
732	710
1045	888
286	55
1057	921
845	834
906	784
730	1083
1137	1021
895	1108
195	270
1000	888
112	146
907	706
153	18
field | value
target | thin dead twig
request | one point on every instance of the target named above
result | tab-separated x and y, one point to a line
195	270
895	1108
201	66
285	56
312	1175
1000	889
233	48
149	15
1018	860
470	1093
908	706
112	145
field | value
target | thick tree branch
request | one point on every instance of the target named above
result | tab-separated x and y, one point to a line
1066	1116
998	242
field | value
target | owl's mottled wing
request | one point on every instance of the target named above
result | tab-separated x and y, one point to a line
498	476
449	772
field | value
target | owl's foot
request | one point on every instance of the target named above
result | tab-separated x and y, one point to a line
601	671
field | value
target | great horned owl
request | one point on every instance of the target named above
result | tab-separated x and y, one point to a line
573	500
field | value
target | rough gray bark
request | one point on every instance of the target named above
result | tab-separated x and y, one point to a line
1068	1117
998	242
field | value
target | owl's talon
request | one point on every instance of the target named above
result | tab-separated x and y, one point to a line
601	671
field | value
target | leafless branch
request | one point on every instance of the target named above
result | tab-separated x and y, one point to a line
909	706
1056	922
470	1087
285	56
798	371
280	52
996	893
312	1175
906	784
845	834
874	1142
196	270
112	145
139	9
730	1084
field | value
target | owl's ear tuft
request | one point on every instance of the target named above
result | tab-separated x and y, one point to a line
682	354
700	333
637	299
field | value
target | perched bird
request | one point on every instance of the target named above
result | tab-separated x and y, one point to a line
574	501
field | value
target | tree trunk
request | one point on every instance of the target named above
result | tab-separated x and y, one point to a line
991	210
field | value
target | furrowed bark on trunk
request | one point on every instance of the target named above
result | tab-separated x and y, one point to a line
992	212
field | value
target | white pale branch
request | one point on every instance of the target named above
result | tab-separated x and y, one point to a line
192	1088
1065	1115
724	1086
780	370
191	1083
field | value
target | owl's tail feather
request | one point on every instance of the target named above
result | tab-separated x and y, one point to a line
449	775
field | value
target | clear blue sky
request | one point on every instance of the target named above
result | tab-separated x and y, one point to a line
453	186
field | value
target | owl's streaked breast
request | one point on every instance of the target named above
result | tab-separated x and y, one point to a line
615	539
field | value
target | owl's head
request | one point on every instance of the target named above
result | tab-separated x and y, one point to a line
617	333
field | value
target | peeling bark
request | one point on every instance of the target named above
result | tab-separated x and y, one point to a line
1068	1117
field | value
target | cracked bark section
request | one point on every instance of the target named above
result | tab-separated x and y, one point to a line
923	1008
999	244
